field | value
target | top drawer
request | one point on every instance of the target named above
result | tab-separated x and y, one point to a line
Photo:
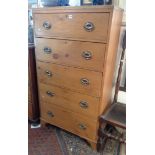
76	26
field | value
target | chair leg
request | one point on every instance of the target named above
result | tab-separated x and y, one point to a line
101	144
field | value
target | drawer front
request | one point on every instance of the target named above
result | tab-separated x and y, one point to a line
69	121
79	80
72	53
82	26
76	102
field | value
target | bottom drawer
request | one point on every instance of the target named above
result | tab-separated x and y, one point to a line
75	123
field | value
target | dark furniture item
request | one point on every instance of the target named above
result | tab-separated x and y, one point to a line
123	66
123	87
30	27
115	116
33	105
117	88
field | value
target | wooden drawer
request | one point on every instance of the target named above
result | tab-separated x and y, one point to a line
80	80
76	102
75	123
78	26
72	53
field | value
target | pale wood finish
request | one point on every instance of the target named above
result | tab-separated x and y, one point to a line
64	27
107	96
71	53
70	121
69	100
69	77
67	36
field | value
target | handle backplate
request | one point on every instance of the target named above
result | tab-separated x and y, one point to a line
49	93
46	25
50	114
84	81
83	104
82	126
89	26
87	55
48	73
47	50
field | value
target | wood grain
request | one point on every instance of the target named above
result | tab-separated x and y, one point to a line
70	53
72	26
70	78
70	100
67	38
69	121
110	60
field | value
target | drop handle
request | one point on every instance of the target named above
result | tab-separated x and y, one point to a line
48	73
49	93
47	50
50	114
87	55
46	25
84	81
83	104
89	26
82	126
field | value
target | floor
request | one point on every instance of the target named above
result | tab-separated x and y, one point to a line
55	141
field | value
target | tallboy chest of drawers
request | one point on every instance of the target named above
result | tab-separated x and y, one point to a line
76	48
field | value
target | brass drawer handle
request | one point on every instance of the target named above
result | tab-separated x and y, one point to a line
51	94
84	81
47	50
83	104
87	55
46	25
89	26
50	114
82	126
48	73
